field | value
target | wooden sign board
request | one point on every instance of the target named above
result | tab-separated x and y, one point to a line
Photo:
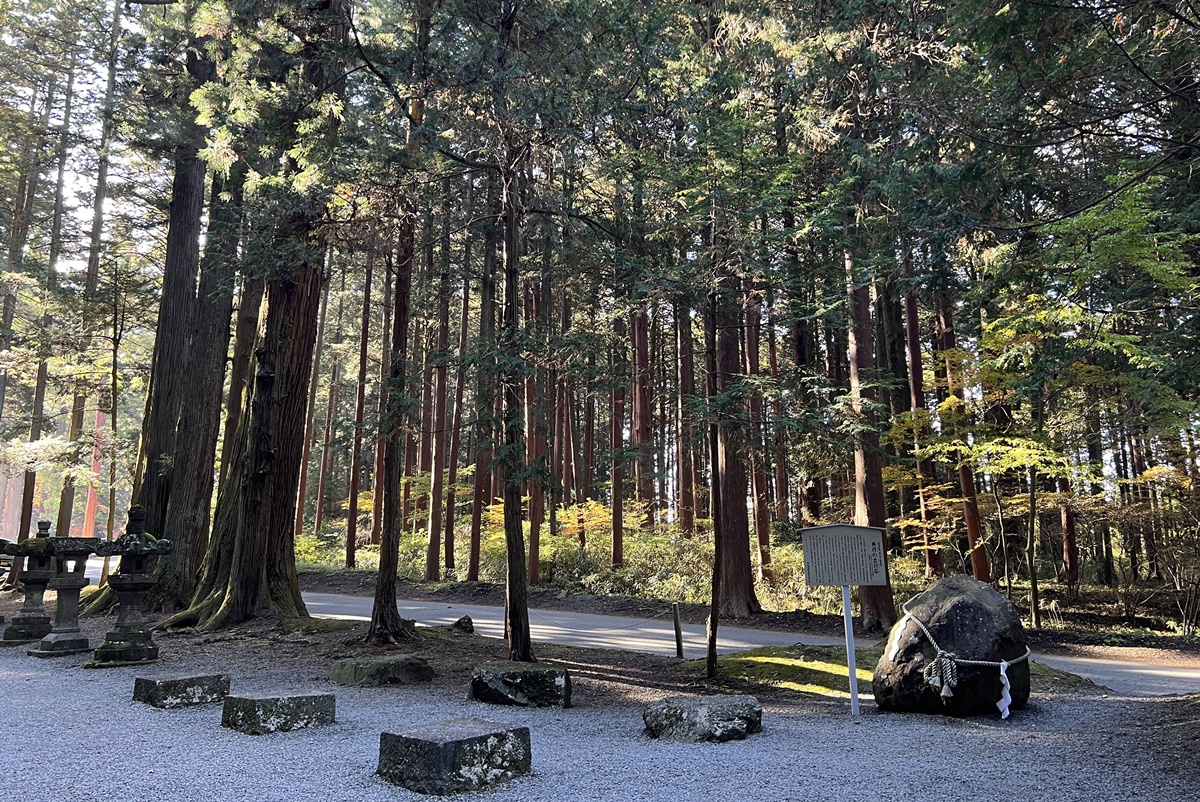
841	554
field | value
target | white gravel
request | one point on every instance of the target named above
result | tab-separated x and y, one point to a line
75	735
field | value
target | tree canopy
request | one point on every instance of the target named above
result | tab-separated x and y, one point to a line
701	270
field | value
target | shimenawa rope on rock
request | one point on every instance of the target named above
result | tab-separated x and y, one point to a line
941	673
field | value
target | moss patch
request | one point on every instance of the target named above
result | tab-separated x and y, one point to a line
807	670
821	671
309	625
1044	679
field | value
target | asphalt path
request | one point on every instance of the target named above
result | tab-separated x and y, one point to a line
657	636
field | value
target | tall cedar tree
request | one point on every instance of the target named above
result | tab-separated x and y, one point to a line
250	568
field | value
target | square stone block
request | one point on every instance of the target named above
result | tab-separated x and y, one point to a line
61	644
396	669
180	691
464	754
258	714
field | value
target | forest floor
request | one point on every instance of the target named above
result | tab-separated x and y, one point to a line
1086	628
1158	733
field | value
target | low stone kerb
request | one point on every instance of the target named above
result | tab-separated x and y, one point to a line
258	714
459	755
397	669
170	692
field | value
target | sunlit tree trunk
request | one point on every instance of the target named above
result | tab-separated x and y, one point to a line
686	386
966	476
758	477
877	606
925	477
360	408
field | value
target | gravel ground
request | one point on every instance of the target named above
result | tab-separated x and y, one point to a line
74	734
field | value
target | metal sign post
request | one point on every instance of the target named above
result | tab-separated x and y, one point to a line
850	652
845	555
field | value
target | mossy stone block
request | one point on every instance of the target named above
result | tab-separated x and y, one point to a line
180	691
259	714
693	719
397	669
455	756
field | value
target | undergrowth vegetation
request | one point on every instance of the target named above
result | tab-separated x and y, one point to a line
659	563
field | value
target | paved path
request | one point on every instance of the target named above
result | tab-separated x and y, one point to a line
657	636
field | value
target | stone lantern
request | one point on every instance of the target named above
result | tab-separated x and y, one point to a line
68	581
31	623
129	642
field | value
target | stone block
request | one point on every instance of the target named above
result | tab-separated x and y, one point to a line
693	719
396	669
125	648
464	754
522	684
258	714
180	691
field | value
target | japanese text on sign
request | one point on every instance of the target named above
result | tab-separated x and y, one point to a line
844	555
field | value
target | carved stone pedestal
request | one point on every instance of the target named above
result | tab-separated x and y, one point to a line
129	641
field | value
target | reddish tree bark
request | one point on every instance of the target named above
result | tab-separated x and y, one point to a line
686	385
168	380
758	477
966	477
1070	545
330	423
438	400
360	408
642	409
190	504
779	444
877	605
535	444
456	425
379	485
386	624
485	395
244	335
738	599
925	477
617	439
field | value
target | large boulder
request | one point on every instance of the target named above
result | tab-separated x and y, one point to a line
692	719
504	682
968	621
